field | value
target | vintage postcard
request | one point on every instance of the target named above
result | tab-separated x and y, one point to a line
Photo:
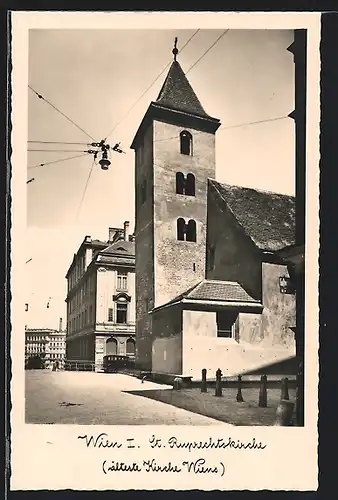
164	249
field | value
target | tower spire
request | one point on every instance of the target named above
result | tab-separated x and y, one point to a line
175	49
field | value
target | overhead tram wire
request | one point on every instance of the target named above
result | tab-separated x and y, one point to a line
60	142
228	127
149	87
57	151
63	114
85	189
205	53
56	161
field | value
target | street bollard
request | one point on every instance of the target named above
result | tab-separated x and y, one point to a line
239	397
285	389
177	385
218	388
204	380
284	413
262	402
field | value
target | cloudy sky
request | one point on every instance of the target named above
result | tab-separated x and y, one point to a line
95	77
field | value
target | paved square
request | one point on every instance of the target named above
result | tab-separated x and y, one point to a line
89	398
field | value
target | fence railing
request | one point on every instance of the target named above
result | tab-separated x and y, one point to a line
80	365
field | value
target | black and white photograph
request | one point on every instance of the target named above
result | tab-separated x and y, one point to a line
164	235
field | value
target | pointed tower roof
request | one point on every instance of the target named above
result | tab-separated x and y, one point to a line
177	93
177	103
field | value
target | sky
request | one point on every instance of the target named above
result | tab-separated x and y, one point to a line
95	77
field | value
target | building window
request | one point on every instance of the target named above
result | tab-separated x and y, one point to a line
186	232
180	183
225	323
180	229
190	185
121	281
185	185
130	347
186	143
110	314
121	311
111	346
191	231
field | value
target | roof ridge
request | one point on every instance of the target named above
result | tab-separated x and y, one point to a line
196	287
258	190
228	282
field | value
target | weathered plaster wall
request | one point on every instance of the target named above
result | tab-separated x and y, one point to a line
203	349
236	257
178	264
279	311
167	340
249	325
144	245
167	355
199	324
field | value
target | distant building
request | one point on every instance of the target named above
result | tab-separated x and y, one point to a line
57	347
46	343
211	289
101	299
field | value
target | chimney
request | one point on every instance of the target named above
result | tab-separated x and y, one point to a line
126	230
60	325
115	234
112	233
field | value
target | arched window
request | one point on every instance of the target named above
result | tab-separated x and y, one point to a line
130	347
191	231
186	143
180	182
190	185
122	310
111	346
180	229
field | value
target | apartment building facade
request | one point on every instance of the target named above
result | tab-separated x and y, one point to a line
101	299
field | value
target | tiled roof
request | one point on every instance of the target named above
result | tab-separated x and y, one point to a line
177	93
267	218
227	291
217	290
121	247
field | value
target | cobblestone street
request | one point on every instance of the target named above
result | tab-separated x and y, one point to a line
89	398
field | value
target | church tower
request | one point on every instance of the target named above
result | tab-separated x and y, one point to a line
175	156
